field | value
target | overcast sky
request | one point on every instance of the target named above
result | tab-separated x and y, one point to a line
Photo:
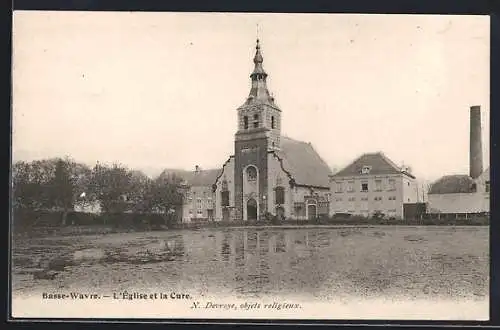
160	90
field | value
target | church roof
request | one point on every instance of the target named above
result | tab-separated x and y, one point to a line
452	184
303	163
379	164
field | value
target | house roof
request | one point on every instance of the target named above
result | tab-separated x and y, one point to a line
380	165
455	184
303	163
197	178
452	184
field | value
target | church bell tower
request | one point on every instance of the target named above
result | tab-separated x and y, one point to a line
259	131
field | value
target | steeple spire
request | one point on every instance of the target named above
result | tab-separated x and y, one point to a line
259	92
257	60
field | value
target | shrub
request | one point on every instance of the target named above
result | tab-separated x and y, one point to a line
275	220
268	216
322	219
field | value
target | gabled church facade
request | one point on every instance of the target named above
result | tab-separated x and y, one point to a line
268	172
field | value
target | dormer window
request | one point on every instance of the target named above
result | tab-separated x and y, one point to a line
245	122
366	170
255	120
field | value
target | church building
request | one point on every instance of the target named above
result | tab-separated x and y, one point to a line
268	172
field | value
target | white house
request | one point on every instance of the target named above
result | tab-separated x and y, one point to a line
372	184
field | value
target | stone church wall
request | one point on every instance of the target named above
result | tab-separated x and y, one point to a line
228	174
278	177
250	152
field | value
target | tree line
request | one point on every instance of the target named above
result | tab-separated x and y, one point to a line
58	184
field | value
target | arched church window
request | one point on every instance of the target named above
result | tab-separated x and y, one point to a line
279	181
224	194
251	173
224	198
279	193
255	120
272	122
245	122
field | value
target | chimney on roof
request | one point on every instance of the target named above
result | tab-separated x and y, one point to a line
476	147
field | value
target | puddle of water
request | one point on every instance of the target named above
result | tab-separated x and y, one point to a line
318	263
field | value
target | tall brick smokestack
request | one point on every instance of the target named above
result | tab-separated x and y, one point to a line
476	147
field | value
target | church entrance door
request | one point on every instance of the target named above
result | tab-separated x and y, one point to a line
252	209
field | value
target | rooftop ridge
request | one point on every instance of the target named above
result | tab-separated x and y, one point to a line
349	164
292	139
388	160
451	184
302	161
381	163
